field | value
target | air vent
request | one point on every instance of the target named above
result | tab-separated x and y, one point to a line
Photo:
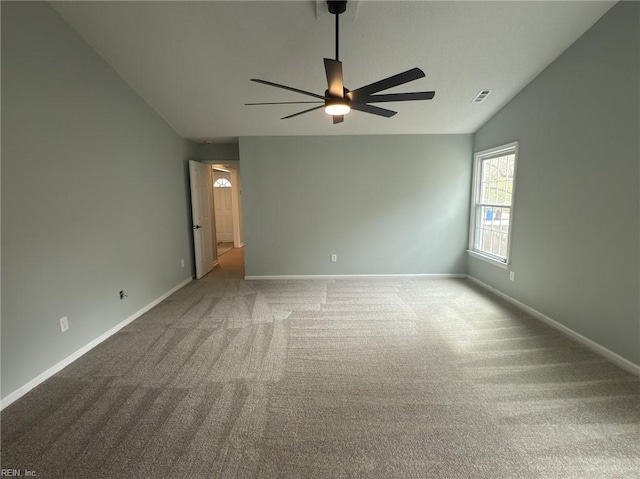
481	96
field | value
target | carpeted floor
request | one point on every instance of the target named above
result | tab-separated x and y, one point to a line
397	378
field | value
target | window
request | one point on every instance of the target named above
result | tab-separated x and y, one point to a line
222	183
492	203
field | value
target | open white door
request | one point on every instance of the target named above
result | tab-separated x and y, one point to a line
201	212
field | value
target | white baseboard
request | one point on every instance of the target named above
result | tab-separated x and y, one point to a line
354	276
21	391
607	353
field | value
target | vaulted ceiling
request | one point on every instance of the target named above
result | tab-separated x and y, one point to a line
192	61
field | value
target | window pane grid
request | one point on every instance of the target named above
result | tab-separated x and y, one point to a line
492	230
494	187
496	180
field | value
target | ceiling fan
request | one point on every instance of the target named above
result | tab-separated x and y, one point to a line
338	100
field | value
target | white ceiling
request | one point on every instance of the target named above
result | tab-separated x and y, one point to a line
192	60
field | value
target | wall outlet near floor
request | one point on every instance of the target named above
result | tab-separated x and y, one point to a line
64	324
334	258
512	276
182	263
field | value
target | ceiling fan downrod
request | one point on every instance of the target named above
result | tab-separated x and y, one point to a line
336	8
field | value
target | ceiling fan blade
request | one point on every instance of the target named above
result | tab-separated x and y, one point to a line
277	85
338	119
301	112
417	95
333	69
283	103
375	110
395	80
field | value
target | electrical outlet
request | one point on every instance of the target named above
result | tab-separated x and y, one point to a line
334	258
182	263
64	324
512	276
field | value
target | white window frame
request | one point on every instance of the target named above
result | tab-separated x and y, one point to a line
478	157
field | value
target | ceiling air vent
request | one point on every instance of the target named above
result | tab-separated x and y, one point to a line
481	96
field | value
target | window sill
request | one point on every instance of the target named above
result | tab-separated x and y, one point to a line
488	259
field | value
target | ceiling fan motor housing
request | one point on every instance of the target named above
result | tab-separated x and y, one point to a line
345	95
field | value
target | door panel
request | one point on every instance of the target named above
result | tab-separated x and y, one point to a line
201	209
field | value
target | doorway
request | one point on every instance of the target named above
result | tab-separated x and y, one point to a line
227	207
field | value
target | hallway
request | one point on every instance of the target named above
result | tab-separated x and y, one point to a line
232	262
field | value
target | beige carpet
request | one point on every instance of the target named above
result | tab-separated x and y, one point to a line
402	378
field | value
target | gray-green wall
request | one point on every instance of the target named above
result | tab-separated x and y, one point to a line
94	195
576	225
218	152
384	204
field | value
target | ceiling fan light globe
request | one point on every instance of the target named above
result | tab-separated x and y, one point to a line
337	109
